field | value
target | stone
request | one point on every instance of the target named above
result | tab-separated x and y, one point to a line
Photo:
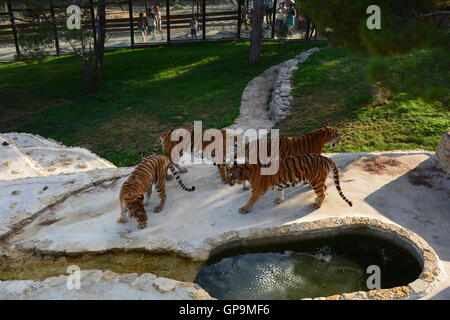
109	276
443	153
164	285
127	278
144	282
419	286
31	288
381	294
359	295
400	292
16	192
55	281
91	275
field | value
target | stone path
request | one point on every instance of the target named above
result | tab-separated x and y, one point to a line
254	101
266	98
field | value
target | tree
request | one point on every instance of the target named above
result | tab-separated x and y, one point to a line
405	24
256	34
88	43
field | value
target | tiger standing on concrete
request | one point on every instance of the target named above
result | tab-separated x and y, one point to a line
167	144
311	142
309	168
151	171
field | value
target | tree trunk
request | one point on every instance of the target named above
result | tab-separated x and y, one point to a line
101	24
256	34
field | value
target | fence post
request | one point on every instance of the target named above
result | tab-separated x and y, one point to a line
13	27
167	20
239	19
274	17
52	11
130	11
204	18
94	28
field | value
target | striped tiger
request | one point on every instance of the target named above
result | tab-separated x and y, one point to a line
151	171
311	142
308	168
167	144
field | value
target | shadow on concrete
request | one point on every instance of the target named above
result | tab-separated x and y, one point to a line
422	205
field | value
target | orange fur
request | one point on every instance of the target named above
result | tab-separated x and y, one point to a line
151	171
309	168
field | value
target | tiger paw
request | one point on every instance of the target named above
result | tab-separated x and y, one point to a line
157	209
245	188
278	200
142	225
243	210
315	205
122	220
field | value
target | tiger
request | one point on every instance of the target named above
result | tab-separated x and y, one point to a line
311	142
308	168
167	144
151	171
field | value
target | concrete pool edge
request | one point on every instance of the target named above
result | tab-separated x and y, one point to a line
401	236
431	270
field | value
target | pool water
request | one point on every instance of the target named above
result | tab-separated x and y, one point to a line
308	268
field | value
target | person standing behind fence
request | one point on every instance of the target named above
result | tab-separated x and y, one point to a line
280	21
142	26
194	27
158	20
269	12
290	20
151	22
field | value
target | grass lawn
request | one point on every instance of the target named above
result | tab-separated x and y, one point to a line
144	92
332	87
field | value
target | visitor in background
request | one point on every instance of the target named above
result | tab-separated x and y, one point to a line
151	22
290	19
194	27
269	12
158	20
280	21
142	26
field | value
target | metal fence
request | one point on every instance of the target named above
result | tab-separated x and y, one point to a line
215	23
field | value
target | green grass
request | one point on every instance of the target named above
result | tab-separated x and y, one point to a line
143	93
332	87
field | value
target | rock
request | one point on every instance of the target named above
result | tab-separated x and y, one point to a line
91	275
12	205
360	295
127	278
144	282
443	153
400	292
16	192
164	285
55	281
109	276
381	294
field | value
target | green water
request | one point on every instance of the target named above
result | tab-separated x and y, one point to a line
312	268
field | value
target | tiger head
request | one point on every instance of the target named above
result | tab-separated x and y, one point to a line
235	174
330	135
135	207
